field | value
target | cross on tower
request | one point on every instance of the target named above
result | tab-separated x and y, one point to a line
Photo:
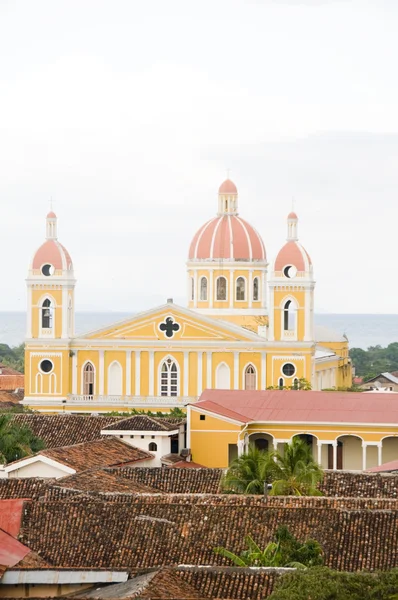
169	327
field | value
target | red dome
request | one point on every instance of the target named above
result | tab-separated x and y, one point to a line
228	187
51	215
53	253
227	237
294	254
292	215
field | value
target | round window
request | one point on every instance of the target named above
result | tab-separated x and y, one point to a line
290	271
288	369
47	270
46	365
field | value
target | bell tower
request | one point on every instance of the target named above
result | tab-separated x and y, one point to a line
50	287
291	290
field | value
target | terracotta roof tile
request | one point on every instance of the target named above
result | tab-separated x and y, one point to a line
144	423
175	481
25	487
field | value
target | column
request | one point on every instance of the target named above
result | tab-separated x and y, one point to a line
379	454
334	456
307	315
74	372
151	372
319	444
128	372
263	371
275	444
195	287
236	370
64	309
137	391
200	372
211	288
186	373
263	290
364	446
208	371
250	290
101	373
231	288
271	318
241	447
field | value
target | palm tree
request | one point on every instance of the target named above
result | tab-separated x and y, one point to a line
295	472
16	441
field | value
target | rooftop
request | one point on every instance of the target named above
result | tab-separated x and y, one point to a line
145	423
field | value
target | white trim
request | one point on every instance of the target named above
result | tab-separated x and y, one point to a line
55	576
231	288
249	364
236	371
211	287
82	375
200	372
151	375
188	426
20	464
74	372
204	411
213	239
128	432
209	369
284	374
46	372
128	372
200	289
64	309
186	373
263	370
175	361
249	243
205	226
101	374
115	362
222	364
137	371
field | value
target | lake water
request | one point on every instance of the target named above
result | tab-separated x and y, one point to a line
362	330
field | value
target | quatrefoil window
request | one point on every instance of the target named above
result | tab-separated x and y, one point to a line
169	327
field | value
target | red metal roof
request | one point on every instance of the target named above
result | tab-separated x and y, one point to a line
11	551
387	467
10	516
301	406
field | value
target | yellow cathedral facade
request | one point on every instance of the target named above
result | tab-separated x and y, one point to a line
248	325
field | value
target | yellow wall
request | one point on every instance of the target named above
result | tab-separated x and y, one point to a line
210	439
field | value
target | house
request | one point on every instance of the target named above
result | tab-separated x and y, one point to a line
10	379
350	431
159	436
68	460
382	382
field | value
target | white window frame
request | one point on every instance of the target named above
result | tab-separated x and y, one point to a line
48	332
289	334
203	277
249	364
165	359
256	278
236	288
82	376
226	289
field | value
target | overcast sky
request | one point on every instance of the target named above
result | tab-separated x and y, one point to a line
129	112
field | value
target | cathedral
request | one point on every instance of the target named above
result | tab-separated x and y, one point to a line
249	325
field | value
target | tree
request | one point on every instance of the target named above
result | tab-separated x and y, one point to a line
295	472
16	441
322	583
13	357
285	551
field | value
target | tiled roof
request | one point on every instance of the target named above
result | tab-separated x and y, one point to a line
144	423
65	430
106	452
359	485
10	398
12	382
277	406
155	530
175	481
25	487
6	370
100	481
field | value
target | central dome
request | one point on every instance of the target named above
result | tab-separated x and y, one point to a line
227	236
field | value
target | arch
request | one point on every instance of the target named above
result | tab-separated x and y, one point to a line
256	289
250	377
296	384
88	379
203	289
281	383
169	377
262	441
223	377
115	379
46	313
389	450
53	384
351	452
310	439
39	383
152	447
221	288
289	315
240	289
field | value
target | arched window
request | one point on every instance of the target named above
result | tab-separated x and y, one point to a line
203	288
223	377
46	314
296	384
240	289
115	375
152	447
39	383
53	384
192	288
250	378
255	289
88	379
289	316
281	383
221	288
169	378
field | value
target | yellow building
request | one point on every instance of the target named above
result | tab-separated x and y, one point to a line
240	330
350	431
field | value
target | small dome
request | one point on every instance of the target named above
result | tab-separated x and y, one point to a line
51	215
293	254
52	253
292	215
228	187
227	237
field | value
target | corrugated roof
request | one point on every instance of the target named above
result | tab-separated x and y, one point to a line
11	551
324	334
301	406
386	468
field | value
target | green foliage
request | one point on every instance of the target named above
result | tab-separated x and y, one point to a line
13	357
16	441
375	360
324	584
176	413
292	473
303	384
285	551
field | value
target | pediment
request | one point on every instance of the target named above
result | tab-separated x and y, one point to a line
171	323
